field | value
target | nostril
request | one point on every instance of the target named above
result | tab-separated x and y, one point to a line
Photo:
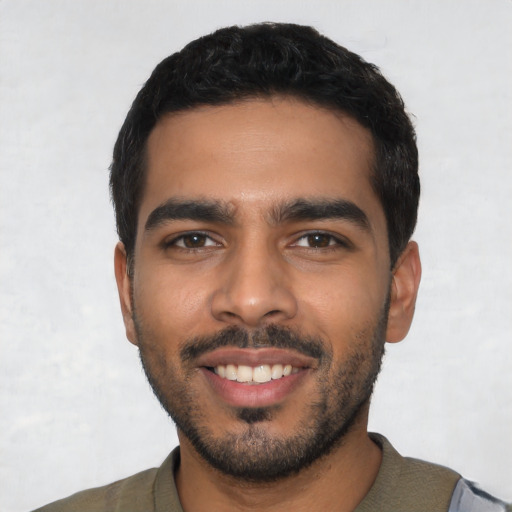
245	302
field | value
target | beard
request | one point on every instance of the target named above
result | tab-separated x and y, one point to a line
252	453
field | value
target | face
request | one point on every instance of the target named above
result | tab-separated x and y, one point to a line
261	286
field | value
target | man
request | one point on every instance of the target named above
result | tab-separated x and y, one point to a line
266	188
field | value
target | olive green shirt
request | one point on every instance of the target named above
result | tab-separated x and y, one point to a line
402	485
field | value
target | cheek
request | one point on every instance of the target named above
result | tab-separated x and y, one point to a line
171	303
342	304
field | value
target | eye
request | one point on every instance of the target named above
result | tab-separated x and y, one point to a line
192	241
318	240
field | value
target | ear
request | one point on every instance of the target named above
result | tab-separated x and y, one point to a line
404	289
124	287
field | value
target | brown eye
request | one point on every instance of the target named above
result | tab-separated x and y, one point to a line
193	241
319	240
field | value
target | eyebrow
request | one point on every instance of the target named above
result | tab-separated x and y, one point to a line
293	211
198	210
320	209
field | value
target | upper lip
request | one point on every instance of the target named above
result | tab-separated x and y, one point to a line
255	357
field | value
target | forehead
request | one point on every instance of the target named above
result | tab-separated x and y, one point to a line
257	153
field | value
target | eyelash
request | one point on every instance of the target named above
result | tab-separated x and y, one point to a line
333	242
200	234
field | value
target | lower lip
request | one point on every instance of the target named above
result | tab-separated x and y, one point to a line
240	394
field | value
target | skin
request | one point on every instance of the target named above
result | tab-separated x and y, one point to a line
257	270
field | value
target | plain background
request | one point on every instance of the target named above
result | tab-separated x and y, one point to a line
75	410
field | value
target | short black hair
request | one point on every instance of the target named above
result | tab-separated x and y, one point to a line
264	60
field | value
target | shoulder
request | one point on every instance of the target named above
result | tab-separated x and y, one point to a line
404	484
414	477
468	497
136	490
148	491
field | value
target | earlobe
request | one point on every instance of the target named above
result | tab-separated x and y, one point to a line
124	288
404	290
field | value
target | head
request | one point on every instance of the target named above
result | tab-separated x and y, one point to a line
265	184
262	61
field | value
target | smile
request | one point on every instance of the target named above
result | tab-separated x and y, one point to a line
255	375
248	377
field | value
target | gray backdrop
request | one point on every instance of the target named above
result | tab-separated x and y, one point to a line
75	410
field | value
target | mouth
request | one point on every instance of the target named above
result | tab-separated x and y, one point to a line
255	377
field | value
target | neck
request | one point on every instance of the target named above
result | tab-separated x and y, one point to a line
338	481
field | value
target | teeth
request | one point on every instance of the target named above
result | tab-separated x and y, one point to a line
277	371
244	373
259	374
230	372
221	371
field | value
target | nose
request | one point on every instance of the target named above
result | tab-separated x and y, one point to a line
253	290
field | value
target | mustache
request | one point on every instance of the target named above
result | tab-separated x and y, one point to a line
273	336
